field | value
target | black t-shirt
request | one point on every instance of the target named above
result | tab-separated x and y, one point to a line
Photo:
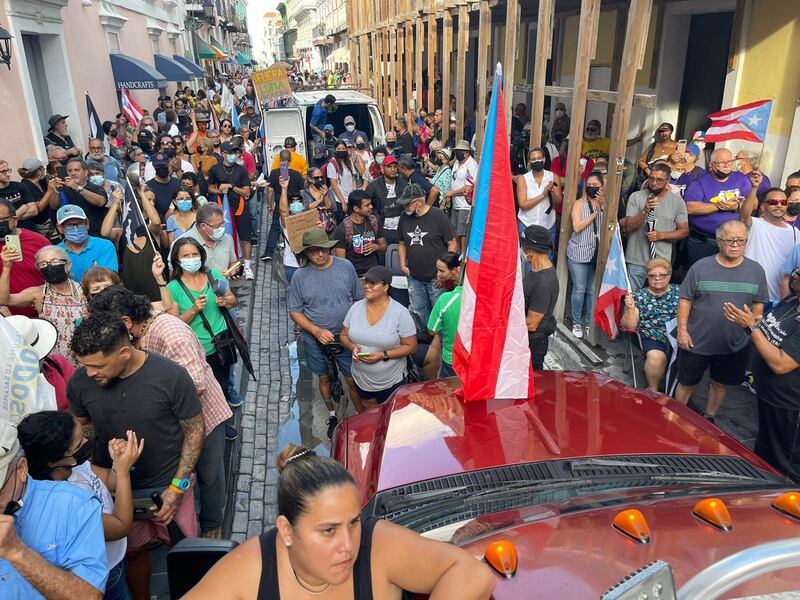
237	176
65	142
426	239
163	192
362	234
405	144
541	292
16	193
296	183
36	194
151	402
781	326
94	213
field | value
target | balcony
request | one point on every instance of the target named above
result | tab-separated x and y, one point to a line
303	9
318	31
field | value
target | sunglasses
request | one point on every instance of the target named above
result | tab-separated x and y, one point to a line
775	202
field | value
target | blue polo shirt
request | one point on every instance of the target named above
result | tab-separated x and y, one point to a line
63	524
97	250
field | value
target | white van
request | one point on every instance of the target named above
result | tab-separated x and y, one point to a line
292	119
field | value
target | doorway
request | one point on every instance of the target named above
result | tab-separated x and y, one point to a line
38	77
705	70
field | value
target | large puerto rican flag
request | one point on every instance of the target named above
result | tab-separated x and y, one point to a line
130	109
614	286
747	122
490	353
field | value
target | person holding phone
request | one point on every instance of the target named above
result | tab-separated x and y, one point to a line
194	301
539	193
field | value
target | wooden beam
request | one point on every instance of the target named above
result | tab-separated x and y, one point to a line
616	60
419	37
461	69
484	44
509	58
433	46
632	59
544	48
447	52
409	58
643	100
587	41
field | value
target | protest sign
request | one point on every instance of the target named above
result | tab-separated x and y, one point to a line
297	224
271	83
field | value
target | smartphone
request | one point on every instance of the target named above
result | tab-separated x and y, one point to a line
12	241
363	354
681	146
61	173
284	170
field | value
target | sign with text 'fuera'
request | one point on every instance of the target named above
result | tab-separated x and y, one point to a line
271	84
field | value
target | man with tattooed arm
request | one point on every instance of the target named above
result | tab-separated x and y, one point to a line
118	388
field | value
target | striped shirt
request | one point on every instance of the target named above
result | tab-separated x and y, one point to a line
173	339
583	243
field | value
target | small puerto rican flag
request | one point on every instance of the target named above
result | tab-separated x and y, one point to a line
614	286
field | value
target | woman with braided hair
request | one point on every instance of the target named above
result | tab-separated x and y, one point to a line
322	547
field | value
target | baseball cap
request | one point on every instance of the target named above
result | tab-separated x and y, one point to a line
227	147
328	127
9	446
31	164
379	274
536	237
202	117
160	159
55	119
70	211
319	150
412	192
349	119
389	160
694	149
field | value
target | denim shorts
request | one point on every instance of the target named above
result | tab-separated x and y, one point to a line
315	359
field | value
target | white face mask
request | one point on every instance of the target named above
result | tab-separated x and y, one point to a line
350	127
218	233
559	113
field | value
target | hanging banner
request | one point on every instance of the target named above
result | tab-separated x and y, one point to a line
271	84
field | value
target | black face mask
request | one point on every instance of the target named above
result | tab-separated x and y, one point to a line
113	133
319	184
592	191
83	453
54	273
390	145
5	228
162	172
792	209
328	135
460	156
342	154
654	191
719	175
217	143
360	146
537	166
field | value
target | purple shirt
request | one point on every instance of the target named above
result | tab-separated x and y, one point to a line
708	189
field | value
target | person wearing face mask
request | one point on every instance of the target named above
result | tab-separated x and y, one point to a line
296	184
351	133
84	251
209	232
391	144
405	142
539	192
111	135
714	199
78	190
561	121
57	450
384	192
33	179
442	177
375	167
792	206
465	176
744	164
364	155
60	300
165	144
342	175
587	223
163	184
33	516
181	221
655	221
145	137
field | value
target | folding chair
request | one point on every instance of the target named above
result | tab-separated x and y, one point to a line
634	346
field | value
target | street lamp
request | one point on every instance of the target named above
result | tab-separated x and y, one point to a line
208	8
5	47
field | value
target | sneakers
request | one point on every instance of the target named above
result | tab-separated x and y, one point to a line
749	383
265	257
254	243
332	423
230	432
248	274
577	331
234	399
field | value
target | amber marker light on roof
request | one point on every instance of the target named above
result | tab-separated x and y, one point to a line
713	512
501	556
788	504
632	524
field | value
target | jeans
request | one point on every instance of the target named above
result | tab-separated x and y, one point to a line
253	202
637	275
423	295
538	344
446	370
698	248
582	275
221	374
211	479
274	232
116	587
290	271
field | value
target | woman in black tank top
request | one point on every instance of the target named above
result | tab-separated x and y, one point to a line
321	547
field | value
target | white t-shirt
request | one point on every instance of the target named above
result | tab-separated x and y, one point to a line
150	170
289	258
83	476
538	215
345	179
462	172
770	246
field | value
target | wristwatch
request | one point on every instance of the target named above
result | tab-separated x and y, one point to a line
181	484
385	355
80	189
749	329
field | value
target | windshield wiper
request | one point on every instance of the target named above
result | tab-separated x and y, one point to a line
710	476
523	488
591	463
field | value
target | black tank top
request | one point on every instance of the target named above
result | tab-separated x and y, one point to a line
268	588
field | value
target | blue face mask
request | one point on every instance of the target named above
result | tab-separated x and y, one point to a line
296	207
183	205
191	265
96	180
76	234
230	159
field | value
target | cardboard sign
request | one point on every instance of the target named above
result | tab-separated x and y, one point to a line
271	84
297	224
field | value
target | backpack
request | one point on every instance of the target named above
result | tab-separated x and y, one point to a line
348	228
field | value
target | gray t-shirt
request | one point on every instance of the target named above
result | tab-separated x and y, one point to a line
709	285
670	211
325	295
221	256
395	323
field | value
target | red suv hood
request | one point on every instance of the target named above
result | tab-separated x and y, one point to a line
426	431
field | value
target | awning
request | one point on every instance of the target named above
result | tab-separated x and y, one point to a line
132	74
171	69
242	58
203	50
219	48
190	66
341	55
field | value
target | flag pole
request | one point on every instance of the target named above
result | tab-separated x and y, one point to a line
141	214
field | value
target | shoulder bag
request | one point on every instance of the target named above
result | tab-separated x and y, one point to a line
224	344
